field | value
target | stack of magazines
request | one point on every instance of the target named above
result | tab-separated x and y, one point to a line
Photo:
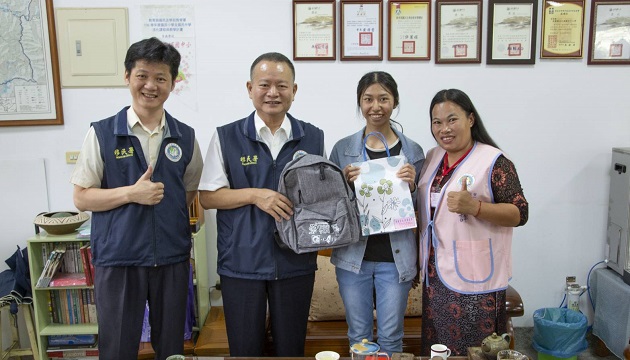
50	268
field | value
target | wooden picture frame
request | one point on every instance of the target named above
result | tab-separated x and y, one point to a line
562	35
34	89
314	30
607	45
458	31
512	32
409	30
361	24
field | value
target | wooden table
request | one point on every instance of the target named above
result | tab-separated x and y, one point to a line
297	358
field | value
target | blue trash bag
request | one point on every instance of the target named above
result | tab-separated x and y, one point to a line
559	332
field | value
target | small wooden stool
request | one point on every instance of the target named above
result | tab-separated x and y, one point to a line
26	312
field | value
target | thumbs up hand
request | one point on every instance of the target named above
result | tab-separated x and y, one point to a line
145	191
462	202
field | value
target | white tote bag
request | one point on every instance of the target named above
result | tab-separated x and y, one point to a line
384	200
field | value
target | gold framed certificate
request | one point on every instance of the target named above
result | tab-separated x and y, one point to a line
361	30
314	30
409	30
458	31
512	31
562	29
609	39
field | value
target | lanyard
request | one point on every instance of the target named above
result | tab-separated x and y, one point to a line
447	169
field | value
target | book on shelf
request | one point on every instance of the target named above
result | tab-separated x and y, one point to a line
86	260
71	340
68	279
72	352
73	306
50	267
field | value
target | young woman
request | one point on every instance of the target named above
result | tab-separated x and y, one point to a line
381	267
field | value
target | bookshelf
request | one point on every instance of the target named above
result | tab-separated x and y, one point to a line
43	324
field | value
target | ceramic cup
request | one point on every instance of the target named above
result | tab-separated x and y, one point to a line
176	357
440	350
327	355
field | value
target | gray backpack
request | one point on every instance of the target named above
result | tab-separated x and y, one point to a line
325	213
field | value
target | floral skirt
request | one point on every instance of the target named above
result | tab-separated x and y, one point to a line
456	320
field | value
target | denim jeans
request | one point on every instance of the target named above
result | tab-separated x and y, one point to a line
357	292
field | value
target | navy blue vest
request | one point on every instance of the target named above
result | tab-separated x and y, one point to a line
246	235
135	234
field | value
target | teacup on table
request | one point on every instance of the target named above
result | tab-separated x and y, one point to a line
327	355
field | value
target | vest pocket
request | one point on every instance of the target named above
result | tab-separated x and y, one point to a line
474	261
322	225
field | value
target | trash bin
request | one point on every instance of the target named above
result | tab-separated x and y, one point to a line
559	333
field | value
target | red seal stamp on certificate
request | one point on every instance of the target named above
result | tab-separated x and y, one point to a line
461	50
321	49
616	50
514	49
365	39
408	47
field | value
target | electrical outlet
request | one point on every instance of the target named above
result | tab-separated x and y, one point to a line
71	157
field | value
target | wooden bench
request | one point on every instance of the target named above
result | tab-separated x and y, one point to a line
331	335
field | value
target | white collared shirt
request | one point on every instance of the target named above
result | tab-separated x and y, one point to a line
214	176
273	141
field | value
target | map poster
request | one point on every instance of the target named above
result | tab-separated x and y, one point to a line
30	91
175	24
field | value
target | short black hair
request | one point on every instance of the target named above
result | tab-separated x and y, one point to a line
458	97
153	50
273	57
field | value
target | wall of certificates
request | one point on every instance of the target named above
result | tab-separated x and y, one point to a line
406	27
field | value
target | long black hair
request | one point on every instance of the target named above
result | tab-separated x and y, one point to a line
458	97
383	79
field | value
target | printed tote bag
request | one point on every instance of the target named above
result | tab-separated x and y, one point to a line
384	200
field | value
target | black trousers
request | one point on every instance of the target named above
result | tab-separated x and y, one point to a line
121	294
245	307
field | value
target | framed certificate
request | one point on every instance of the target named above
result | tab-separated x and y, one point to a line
361	30
512	31
562	29
458	31
609	39
314	31
409	30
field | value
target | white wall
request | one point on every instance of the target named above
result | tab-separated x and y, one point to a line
557	119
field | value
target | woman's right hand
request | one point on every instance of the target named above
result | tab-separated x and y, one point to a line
351	173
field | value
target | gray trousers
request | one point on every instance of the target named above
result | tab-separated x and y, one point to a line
121	294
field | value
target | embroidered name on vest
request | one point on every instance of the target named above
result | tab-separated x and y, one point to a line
124	153
249	160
